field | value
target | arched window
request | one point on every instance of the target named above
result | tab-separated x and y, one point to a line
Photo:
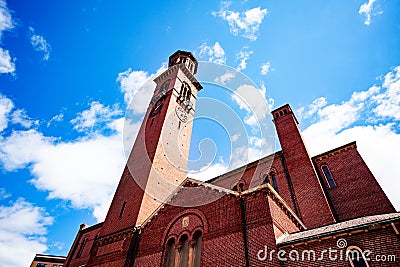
197	239
185	92
79	254
170	253
188	94
274	183
239	187
122	210
328	176
356	257
184	252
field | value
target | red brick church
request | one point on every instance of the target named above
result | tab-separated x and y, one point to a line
286	209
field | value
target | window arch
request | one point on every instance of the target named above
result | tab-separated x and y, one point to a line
184	233
356	257
239	186
328	176
197	241
185	92
79	254
184	251
274	182
170	253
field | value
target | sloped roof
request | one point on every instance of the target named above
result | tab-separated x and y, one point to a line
363	222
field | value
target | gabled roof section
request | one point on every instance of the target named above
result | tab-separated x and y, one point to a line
335	151
246	166
189	182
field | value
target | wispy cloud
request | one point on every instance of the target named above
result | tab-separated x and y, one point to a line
95	117
265	68
243	55
20	117
23	228
225	78
7	63
214	53
6	105
6	22
246	23
40	44
368	9
10	115
313	108
371	118
55	118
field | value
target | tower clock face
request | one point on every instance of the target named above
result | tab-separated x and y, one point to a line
181	113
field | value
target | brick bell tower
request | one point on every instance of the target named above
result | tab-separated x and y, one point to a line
158	160
311	200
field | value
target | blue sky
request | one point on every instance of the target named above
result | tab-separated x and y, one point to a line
68	70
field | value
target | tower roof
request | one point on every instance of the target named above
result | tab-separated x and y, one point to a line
184	53
181	57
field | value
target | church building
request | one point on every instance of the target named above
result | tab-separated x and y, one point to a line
286	209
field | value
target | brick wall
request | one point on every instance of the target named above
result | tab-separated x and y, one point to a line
357	193
221	224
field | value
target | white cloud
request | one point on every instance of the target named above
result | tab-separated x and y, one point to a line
4	194
266	68
6	22
23	227
245	23
40	44
214	53
225	78
68	170
130	83
360	119
95	115
255	148
138	88
6	105
251	99
20	117
210	171
235	137
243	56
315	106
7	64
367	9
388	102
56	118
